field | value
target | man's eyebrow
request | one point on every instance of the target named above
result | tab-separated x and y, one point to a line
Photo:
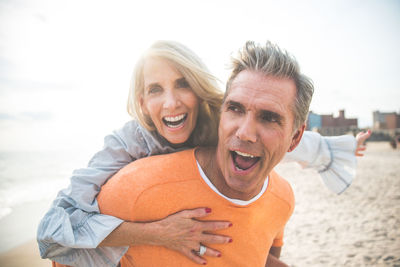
234	103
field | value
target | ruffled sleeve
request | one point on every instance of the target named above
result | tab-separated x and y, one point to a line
333	157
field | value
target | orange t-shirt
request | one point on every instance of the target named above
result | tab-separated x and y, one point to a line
152	188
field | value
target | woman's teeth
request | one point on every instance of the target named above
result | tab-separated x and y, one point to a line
175	121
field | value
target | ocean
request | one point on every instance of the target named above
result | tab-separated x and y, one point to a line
29	176
29	181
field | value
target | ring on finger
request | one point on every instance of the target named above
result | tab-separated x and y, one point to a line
202	250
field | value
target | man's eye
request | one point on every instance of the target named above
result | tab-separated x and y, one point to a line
269	117
234	108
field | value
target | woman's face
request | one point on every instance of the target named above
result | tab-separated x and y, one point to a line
169	101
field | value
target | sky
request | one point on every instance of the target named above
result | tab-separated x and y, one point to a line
65	66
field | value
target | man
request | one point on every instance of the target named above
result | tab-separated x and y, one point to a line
262	117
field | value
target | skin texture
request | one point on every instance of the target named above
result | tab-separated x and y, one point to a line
273	258
361	138
256	119
167	95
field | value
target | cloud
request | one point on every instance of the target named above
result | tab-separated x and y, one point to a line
26	116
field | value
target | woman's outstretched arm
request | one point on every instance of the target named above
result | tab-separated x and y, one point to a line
334	157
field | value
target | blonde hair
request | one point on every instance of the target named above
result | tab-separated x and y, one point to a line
200	80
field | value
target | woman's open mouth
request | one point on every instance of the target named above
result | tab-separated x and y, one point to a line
175	121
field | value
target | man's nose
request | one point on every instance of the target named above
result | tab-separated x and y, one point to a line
171	100
247	130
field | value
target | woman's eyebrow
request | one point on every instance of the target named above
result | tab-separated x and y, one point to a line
152	84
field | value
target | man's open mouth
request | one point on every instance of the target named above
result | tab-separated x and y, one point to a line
243	161
175	121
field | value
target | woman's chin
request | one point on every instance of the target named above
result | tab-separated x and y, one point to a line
177	141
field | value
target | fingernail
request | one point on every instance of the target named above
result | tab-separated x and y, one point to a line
230	225
219	255
208	210
230	240
204	263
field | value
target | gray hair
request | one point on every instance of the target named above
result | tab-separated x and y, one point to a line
271	60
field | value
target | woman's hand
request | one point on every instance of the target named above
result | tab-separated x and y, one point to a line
361	138
182	232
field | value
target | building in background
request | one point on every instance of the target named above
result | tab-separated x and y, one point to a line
385	121
330	125
386	127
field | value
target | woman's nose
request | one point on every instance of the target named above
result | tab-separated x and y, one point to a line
171	101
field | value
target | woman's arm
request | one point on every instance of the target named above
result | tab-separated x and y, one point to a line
333	157
73	232
73	227
181	232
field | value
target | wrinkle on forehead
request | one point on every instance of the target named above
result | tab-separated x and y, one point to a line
261	92
156	70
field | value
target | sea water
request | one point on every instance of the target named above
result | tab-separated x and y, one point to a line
29	181
30	176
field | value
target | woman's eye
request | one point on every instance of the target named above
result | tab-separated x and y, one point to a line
154	89
182	83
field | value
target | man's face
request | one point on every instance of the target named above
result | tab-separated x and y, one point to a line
255	131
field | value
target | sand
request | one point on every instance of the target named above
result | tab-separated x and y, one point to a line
26	255
360	227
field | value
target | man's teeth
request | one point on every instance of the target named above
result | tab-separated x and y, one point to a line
244	154
174	119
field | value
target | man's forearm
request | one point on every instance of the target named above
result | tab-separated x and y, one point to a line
273	258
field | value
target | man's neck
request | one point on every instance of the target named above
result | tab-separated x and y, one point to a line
207	158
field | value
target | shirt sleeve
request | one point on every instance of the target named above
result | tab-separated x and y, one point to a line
333	157
72	229
278	240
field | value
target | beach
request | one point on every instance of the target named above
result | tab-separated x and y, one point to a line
360	227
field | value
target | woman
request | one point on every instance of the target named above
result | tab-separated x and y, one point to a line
177	101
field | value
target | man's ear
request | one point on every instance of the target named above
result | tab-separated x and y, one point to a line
297	137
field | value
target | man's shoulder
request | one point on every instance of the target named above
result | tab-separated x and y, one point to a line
159	168
172	161
281	188
119	195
